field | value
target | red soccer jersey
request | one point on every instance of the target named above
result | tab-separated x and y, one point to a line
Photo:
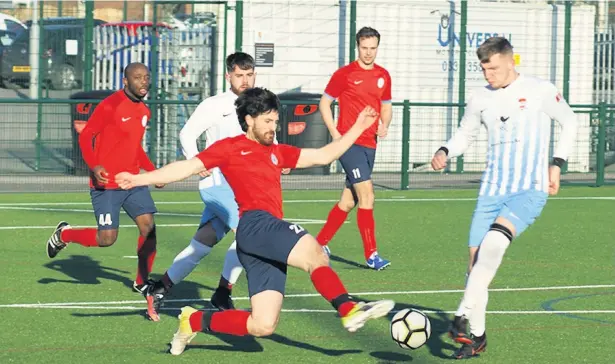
116	126
252	170
355	88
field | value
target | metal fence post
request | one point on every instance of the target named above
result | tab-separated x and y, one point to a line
224	45
462	71
39	90
567	36
601	150
88	46
353	31
238	25
153	152
405	145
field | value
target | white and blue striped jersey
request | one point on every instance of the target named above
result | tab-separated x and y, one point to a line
518	122
217	118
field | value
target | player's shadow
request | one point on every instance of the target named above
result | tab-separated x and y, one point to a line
250	344
82	269
353	264
185	293
438	342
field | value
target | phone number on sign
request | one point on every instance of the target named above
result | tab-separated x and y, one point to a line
454	66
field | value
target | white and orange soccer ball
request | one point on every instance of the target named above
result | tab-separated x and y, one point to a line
410	328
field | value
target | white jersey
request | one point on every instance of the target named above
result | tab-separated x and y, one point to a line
217	118
518	123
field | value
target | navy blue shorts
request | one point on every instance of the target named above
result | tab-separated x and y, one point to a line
358	163
264	243
107	203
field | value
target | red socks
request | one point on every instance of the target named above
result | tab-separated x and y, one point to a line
146	252
235	322
335	220
196	321
365	220
85	237
329	285
232	322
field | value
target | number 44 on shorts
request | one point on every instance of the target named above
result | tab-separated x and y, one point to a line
104	219
296	228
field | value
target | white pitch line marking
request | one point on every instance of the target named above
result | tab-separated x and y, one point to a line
301	295
307	310
386	199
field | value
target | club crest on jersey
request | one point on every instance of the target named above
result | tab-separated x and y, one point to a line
274	159
380	82
522	103
558	97
144	120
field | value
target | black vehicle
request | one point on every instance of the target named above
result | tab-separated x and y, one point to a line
64	20
61	59
6	38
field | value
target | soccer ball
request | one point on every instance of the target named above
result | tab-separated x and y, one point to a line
410	328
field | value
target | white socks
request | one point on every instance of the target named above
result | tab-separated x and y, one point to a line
185	262
479	315
474	302
232	267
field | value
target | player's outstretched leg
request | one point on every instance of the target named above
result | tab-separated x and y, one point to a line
308	256
64	234
221	298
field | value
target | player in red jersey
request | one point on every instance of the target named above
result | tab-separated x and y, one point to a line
361	83
111	143
266	244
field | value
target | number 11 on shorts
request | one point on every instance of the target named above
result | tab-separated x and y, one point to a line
356	173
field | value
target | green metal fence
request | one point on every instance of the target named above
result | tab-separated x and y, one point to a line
429	48
42	153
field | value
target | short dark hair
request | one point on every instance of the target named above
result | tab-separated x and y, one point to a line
254	102
493	45
132	66
240	59
367	32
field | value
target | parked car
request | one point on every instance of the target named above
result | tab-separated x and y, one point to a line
61	57
64	20
12	25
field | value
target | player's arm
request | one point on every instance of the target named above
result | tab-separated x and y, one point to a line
327	115
144	162
332	151
214	156
334	89
197	124
93	127
173	172
463	138
558	109
386	108
386	113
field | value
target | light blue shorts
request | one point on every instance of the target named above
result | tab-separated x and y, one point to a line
220	208
521	209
